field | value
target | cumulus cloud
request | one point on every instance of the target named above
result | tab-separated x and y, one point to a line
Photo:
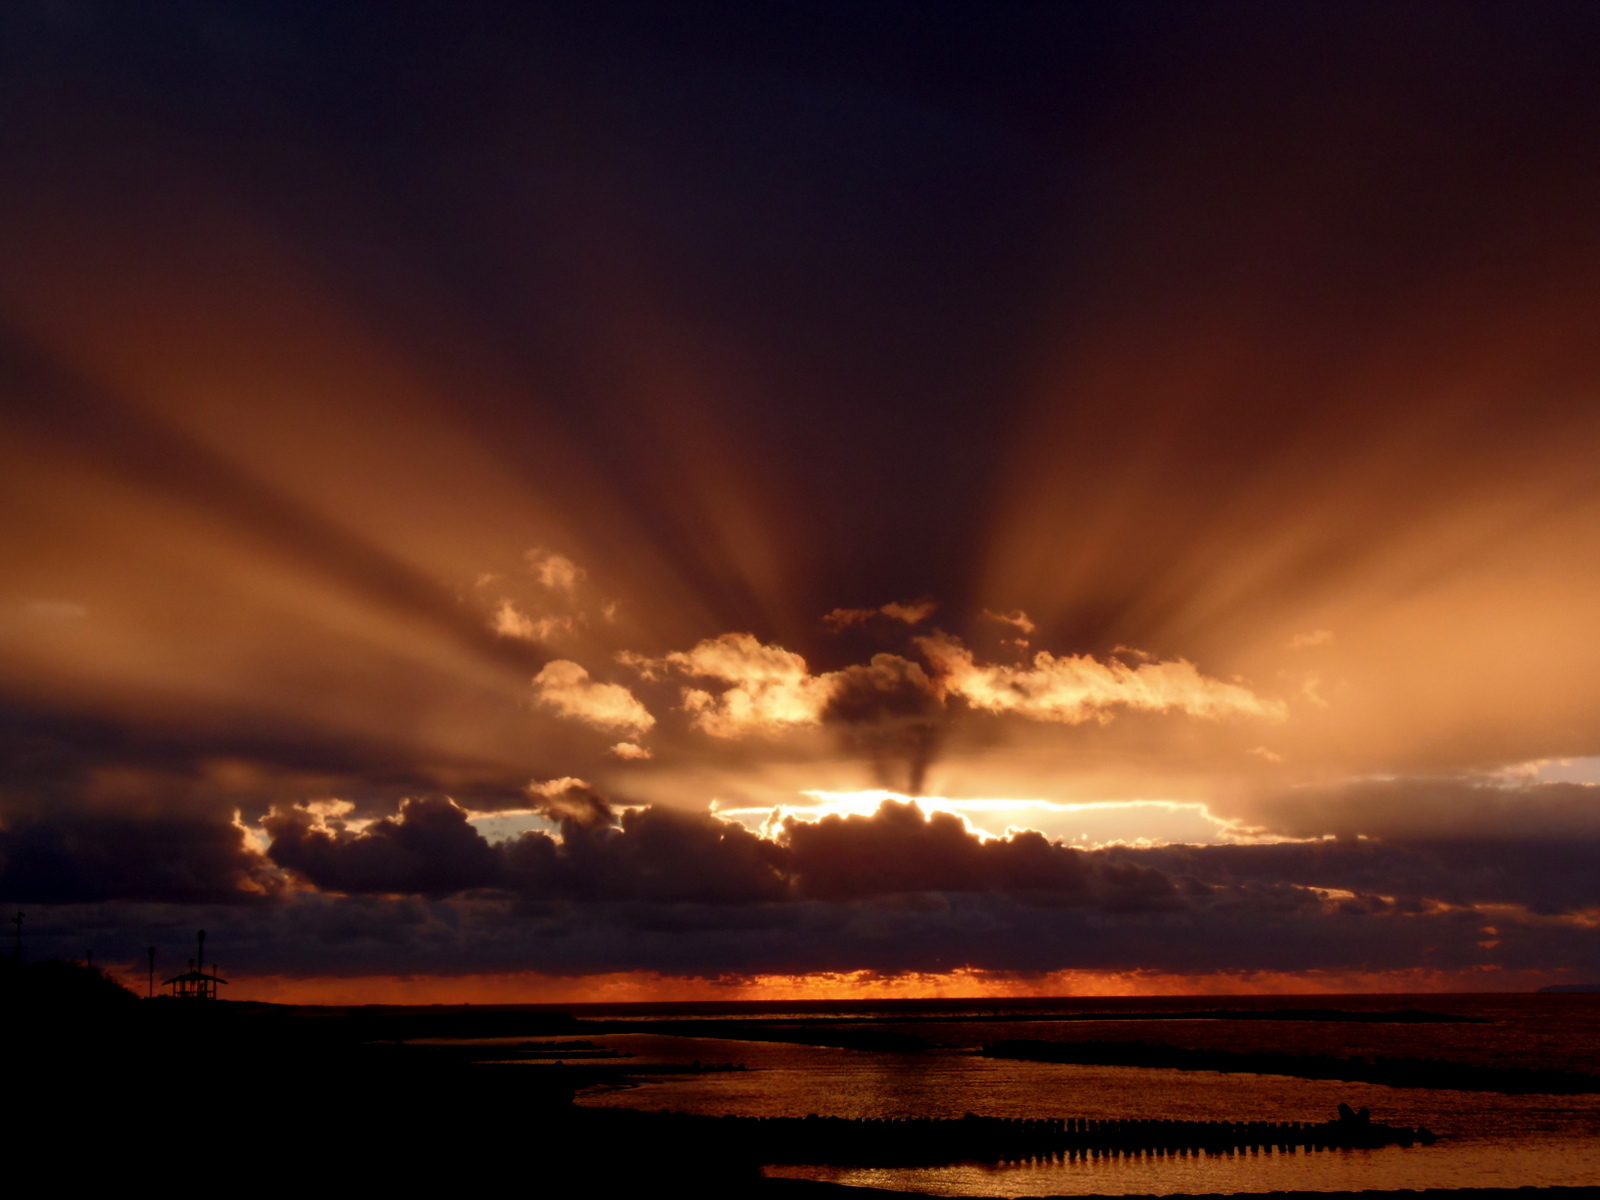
767	689
900	848
571	802
888	709
566	687
902	889
1077	688
652	855
893	710
629	751
430	849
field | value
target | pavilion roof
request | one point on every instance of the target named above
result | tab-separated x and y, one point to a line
193	976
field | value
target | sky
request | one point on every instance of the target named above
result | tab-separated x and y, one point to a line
620	501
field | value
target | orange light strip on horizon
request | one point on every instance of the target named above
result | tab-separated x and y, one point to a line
647	987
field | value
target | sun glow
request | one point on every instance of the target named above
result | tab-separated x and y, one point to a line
1085	826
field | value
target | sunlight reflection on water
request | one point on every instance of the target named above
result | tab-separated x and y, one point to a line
1489	1140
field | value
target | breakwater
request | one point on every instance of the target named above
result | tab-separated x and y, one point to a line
1384	1069
841	1141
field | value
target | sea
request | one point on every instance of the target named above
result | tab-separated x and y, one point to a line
1486	1139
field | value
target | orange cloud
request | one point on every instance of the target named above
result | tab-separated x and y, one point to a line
509	621
566	687
1077	688
769	690
556	571
911	614
1019	618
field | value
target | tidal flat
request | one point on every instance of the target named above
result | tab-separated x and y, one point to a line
409	1093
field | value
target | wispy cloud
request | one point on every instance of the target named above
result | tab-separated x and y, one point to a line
510	621
1019	619
556	571
910	614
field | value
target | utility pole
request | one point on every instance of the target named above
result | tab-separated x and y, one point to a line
150	989
16	951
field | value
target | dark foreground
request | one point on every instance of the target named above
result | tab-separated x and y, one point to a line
344	1099
803	1189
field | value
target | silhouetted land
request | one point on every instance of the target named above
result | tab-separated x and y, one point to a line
56	986
103	1085
1384	1069
805	1189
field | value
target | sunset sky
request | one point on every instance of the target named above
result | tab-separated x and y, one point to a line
604	501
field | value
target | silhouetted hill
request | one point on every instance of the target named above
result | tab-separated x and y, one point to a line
54	986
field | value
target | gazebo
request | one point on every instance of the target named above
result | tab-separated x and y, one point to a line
195	984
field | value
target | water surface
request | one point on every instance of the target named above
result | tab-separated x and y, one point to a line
1486	1139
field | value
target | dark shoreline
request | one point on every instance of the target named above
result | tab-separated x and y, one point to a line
813	1189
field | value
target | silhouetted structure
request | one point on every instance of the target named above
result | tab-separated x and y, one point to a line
195	984
928	1141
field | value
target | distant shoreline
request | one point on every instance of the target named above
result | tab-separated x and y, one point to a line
1390	1071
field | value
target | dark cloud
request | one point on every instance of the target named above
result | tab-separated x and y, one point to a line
88	814
1236	929
85	856
656	856
1442	809
1546	875
890	711
902	849
572	804
899	890
430	849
